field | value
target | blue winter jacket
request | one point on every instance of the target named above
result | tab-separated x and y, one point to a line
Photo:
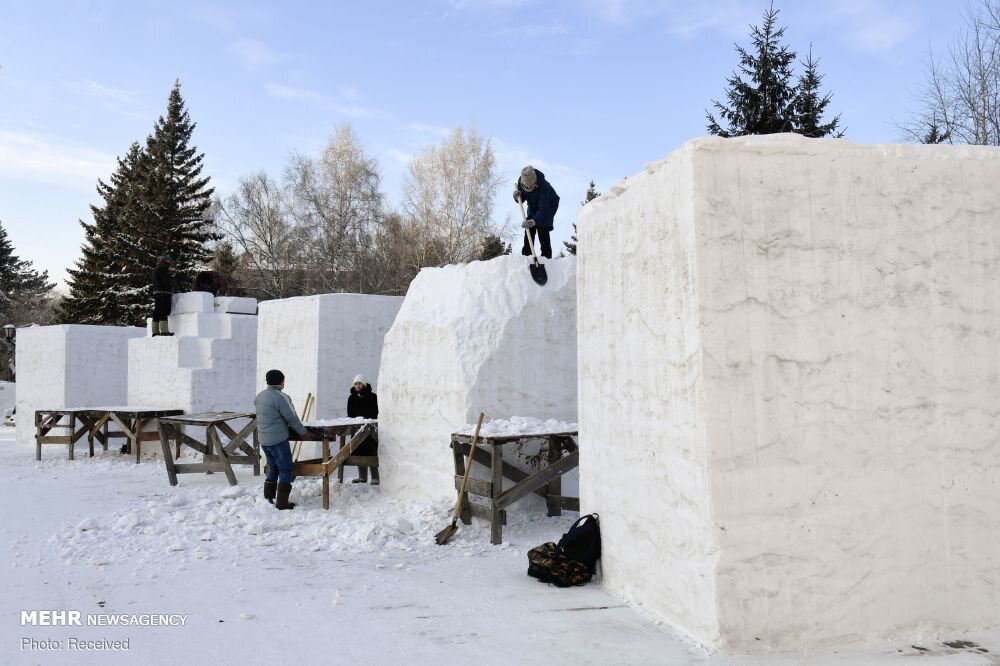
275	416
543	202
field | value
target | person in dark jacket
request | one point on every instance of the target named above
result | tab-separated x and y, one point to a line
363	403
163	294
543	202
275	420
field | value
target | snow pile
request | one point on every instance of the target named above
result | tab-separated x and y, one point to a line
326	423
8	398
208	365
520	425
481	337
788	406
69	366
198	521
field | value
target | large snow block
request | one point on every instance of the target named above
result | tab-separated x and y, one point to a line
788	380
209	364
192	301
481	337
69	366
321	342
235	305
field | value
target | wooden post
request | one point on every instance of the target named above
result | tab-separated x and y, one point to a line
466	512
340	470
138	438
165	446
72	429
326	473
107	429
496	467
256	450
555	485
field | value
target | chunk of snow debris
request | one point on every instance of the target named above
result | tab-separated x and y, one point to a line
232	492
404	526
87	524
246	616
127	522
178	500
176	546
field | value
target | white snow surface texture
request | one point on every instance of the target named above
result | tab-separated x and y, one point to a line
805	450
69	365
481	337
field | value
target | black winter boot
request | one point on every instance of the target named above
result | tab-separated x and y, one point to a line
375	479
281	502
362	475
270	490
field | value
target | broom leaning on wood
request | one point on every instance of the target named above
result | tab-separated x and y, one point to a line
442	537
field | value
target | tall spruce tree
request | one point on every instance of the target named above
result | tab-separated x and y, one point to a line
157	203
810	106
761	97
20	284
96	284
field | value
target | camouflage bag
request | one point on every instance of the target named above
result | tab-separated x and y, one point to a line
548	566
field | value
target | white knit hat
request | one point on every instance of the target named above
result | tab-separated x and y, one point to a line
358	379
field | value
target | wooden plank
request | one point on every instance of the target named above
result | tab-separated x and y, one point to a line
309	469
188	468
346	452
213	434
538	479
496	527
167	459
509	471
340	469
238	439
475	486
137	439
554	487
55	439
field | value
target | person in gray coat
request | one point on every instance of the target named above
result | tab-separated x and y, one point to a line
275	417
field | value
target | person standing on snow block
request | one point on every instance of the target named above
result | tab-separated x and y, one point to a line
543	202
363	403
163	294
275	417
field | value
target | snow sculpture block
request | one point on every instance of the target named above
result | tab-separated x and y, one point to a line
321	342
235	305
481	337
788	381
192	301
208	365
69	366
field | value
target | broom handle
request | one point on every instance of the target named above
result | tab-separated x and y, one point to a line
527	232
468	468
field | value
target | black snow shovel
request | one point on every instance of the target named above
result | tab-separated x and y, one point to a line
537	269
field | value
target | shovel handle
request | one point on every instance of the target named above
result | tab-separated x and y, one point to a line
527	232
468	468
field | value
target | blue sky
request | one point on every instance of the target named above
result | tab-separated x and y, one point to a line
582	89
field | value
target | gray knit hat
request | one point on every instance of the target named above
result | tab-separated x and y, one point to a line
528	176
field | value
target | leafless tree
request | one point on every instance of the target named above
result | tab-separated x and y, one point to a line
960	102
269	246
337	201
448	199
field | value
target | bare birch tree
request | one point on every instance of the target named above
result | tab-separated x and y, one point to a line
960	102
336	199
269	247
448	199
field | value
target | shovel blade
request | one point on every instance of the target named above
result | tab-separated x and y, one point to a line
442	537
538	273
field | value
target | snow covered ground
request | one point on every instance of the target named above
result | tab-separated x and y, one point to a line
361	583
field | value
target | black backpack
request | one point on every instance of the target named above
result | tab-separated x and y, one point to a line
574	560
548	566
583	542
